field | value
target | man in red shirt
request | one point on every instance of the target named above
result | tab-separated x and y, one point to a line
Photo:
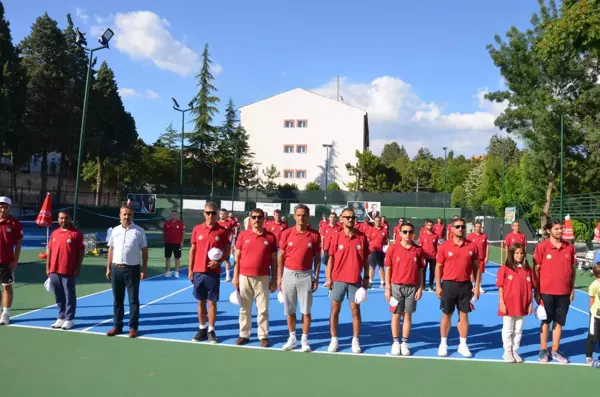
429	243
515	237
457	259
377	237
63	265
276	226
327	232
254	276
397	229
555	280
227	224
450	228
204	272
385	225
404	282
481	241
299	253
173	237
11	238
438	229
348	258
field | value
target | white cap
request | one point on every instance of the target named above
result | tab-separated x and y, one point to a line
235	297
214	254
5	200
48	285
540	313
361	295
280	297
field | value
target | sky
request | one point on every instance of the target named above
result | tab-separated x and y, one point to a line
420	68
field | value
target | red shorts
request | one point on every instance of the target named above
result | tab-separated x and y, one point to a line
482	266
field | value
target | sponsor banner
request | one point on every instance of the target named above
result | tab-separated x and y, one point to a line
142	203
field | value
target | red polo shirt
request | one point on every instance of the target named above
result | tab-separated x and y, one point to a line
256	251
227	224
397	232
299	248
377	239
173	231
457	260
556	267
450	232
517	285
350	254
438	229
276	229
405	263
429	244
203	239
327	232
481	241
11	232
513	237
65	246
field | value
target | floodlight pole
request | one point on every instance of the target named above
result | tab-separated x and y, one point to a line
176	107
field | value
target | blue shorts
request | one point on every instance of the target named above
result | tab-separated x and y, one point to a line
206	286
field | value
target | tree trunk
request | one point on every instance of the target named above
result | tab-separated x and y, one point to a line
44	174
545	212
59	181
99	182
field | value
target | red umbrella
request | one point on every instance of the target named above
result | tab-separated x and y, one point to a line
44	219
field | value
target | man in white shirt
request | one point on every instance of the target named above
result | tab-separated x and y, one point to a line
123	270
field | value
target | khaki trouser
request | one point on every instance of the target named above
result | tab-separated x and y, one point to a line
254	288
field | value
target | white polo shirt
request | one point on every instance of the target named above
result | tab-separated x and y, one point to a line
127	243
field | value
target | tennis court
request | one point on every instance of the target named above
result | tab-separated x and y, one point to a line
166	361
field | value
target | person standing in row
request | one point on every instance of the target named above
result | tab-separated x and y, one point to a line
173	237
227	224
299	252
63	265
254	276
594	330
438	229
404	282
429	243
449	229
276	226
457	259
204	272
327	232
481	241
377	237
11	239
125	269
348	259
515	237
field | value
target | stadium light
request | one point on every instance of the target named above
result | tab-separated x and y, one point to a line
327	146
445	158
183	112
82	42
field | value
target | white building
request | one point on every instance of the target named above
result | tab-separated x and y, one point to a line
289	130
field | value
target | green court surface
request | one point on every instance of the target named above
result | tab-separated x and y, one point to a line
45	362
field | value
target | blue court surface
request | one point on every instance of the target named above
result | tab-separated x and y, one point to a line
169	312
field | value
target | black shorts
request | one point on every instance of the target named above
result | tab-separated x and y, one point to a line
456	295
557	307
376	259
172	249
6	276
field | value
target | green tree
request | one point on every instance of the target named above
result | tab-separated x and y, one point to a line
334	187
500	146
472	184
392	152
458	199
369	173
271	173
312	186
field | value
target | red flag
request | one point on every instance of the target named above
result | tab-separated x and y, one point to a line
568	229
44	218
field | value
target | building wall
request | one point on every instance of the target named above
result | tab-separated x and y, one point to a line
327	122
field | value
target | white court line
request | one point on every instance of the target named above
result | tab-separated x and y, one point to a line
85	296
141	307
388	356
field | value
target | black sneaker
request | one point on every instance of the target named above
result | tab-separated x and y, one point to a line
212	338
200	336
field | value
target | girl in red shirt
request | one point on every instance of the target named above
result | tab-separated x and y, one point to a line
515	285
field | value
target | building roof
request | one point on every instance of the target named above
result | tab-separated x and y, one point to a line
310	92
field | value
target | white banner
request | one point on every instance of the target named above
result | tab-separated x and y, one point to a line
194	204
269	207
311	207
337	208
239	206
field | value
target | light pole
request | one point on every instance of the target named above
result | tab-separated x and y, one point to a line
257	181
234	169
81	40
445	159
503	205
562	157
183	111
327	146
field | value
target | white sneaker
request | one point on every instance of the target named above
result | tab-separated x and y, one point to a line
58	324
176	274
508	356
168	274
305	346
443	351
333	346
68	324
4	319
518	358
227	280
481	290
404	349
356	347
464	351
395	349
290	344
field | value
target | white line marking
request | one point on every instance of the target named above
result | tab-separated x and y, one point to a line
151	338
141	307
85	296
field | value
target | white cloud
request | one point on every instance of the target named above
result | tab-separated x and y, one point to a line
145	36
131	93
216	69
81	14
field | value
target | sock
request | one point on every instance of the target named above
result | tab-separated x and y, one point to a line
334	339
404	340
228	272
395	340
304	337
354	339
445	341
6	310
211	328
463	341
202	326
293	335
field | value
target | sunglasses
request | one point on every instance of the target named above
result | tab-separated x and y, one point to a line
349	217
406	231
255	217
210	212
459	226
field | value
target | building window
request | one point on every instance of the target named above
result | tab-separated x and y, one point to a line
288	148
288	123
301	174
288	174
300	148
301	123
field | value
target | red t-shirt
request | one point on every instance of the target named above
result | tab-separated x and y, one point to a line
173	231
203	239
11	232
397	232
405	263
556	267
517	285
227	224
276	229
450	232
377	239
481	241
349	256
65	246
256	251
457	260
299	248
438	229
327	232
429	244
513	237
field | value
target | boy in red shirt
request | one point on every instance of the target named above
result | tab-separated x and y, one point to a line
227	224
429	243
481	241
377	237
515	237
173	238
11	238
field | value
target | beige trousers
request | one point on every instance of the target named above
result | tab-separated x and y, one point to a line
254	288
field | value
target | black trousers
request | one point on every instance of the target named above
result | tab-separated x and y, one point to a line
429	263
126	278
593	336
